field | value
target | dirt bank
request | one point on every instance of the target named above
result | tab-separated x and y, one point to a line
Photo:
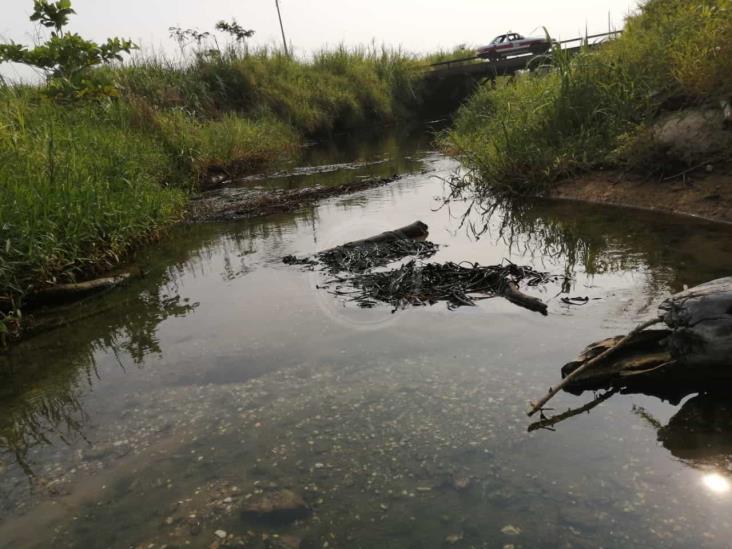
707	196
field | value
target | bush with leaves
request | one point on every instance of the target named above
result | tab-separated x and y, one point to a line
66	58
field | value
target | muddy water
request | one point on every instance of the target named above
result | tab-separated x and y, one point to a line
163	408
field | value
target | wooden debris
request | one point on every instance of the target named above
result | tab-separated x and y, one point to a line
416	283
414	230
376	251
603	355
694	353
64	293
700	319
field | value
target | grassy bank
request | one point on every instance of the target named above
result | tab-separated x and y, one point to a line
601	108
83	182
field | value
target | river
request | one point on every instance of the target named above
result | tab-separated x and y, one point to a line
222	374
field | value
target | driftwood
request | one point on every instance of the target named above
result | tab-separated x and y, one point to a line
414	231
700	319
548	423
693	353
417	283
512	293
643	351
376	251
604	354
64	293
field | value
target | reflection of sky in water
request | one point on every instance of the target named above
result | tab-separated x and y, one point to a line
221	337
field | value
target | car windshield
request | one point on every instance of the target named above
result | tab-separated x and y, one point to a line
498	39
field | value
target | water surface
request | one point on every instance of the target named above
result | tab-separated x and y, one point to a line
163	407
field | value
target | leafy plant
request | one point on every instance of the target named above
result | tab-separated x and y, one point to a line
203	50
66	58
186	37
234	29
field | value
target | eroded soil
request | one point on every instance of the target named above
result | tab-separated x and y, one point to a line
706	196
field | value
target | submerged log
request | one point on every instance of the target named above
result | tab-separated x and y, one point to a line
64	293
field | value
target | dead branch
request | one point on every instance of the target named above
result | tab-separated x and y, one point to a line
538	405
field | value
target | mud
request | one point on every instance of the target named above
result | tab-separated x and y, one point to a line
698	194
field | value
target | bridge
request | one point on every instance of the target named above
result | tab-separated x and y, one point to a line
478	68
451	82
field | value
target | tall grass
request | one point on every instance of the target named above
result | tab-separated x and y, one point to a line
80	184
596	108
338	89
78	187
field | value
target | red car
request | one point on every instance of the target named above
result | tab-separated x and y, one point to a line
514	44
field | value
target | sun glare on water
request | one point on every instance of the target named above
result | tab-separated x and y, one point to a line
716	483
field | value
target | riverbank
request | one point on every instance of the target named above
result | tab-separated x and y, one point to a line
708	197
84	183
653	102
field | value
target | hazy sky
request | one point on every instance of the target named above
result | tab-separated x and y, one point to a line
417	26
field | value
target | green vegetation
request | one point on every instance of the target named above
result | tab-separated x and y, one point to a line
66	58
597	108
91	172
461	51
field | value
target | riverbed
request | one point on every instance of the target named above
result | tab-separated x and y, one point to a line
161	409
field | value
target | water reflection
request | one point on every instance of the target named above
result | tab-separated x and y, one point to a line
260	386
598	240
43	378
700	433
376	153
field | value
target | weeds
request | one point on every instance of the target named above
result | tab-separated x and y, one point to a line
82	183
595	109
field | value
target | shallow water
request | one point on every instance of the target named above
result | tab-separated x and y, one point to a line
167	405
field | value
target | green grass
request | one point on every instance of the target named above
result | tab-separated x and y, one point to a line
459	52
83	183
78	188
338	89
595	109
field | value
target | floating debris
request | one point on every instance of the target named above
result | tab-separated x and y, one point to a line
377	251
370	256
417	283
459	284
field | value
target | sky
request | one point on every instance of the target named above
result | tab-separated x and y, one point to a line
416	26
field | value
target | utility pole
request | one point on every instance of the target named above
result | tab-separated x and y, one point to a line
282	28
